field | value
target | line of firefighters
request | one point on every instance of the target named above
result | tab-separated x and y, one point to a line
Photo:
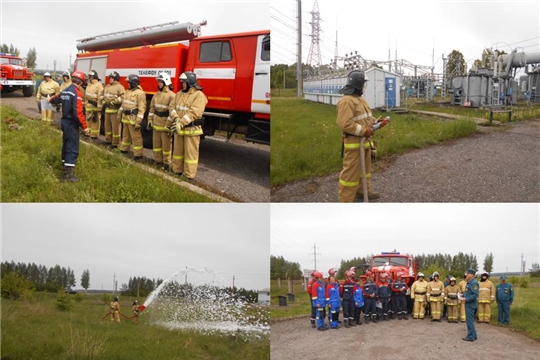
385	299
170	113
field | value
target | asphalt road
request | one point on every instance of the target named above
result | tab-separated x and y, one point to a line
236	170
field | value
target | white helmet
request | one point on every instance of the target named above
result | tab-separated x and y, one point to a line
420	274
47	74
163	76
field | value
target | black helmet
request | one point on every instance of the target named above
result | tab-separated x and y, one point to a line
94	74
133	81
135	302
355	83
116	298
191	79
114	75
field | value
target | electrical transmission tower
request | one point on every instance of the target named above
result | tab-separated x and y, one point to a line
314	254
314	58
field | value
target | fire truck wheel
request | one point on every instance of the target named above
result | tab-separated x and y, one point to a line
28	91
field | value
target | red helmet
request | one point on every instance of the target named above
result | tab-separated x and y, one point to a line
384	276
369	273
318	274
79	75
332	272
399	274
353	269
312	273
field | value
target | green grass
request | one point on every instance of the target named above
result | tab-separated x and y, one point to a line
306	141
284	93
31	170
524	313
34	329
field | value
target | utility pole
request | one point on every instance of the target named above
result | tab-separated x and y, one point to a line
522	265
114	283
315	256
233	284
299	74
185	281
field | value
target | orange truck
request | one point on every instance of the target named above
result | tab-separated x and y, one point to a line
15	76
392	263
233	69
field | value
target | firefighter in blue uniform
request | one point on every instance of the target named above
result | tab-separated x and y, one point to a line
318	298
472	290
505	297
346	291
358	302
384	293
332	299
370	294
399	290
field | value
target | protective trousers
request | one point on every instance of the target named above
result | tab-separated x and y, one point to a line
348	310
401	305
452	312
333	317
350	179
471	330
47	116
186	155
385	305
313	309
70	141
357	311
112	128
462	313
93	118
484	311
132	135
504	312
419	306
435	306
369	307
321	314
162	145
115	316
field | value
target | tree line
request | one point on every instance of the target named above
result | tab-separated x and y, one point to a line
283	269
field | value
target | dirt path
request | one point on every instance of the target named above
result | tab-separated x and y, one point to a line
398	339
494	165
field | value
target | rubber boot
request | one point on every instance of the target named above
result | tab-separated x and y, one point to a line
374	318
372	195
351	322
68	175
400	317
346	323
366	319
312	323
405	317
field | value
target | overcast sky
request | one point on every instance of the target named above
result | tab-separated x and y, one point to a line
414	28
53	27
152	240
345	231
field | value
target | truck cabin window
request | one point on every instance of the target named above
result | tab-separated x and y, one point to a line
265	52
216	51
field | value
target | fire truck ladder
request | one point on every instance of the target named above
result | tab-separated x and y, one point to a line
141	29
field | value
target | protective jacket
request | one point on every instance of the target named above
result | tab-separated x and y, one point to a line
435	291
72	105
358	296
112	97
399	288
318	295
383	290
505	293
354	115
346	290
487	292
419	290
47	87
451	295
159	109
133	106
94	91
188	108
332	297
65	85
369	289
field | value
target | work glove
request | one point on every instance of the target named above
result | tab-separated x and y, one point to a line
368	132
38	100
149	125
177	126
137	126
87	131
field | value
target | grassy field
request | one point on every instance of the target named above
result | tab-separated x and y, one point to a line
306	141
31	170
524	313
35	329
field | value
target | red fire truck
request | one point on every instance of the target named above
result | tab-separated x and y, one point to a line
233	69
392	263
15	76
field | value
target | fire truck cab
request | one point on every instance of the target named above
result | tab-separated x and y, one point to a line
15	76
233	69
392	263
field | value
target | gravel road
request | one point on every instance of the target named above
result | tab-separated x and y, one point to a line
398	339
236	170
499	164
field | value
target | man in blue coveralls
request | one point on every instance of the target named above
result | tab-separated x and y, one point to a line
472	290
505	297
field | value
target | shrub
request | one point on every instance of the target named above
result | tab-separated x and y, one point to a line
63	301
15	286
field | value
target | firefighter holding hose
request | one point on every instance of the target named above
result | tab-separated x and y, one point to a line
94	91
115	310
157	118
355	120
185	121
132	114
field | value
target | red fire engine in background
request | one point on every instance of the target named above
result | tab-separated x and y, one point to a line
392	263
233	69
15	76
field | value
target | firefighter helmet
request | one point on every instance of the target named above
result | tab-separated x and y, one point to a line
47	74
162	76
485	274
116	298
332	272
452	278
114	75
436	273
349	273
93	73
318	274
133	81
312	273
135	302
79	75
420	274
355	83
66	74
190	79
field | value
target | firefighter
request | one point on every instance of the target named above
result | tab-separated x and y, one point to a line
112	99
66	77
505	298
332	299
451	300
384	292
399	289
132	114
94	92
47	89
157	118
72	119
115	310
346	290
358	302
435	296
309	290
186	112
369	289
418	294
462	284
355	120
136	312
485	298
471	298
318	298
